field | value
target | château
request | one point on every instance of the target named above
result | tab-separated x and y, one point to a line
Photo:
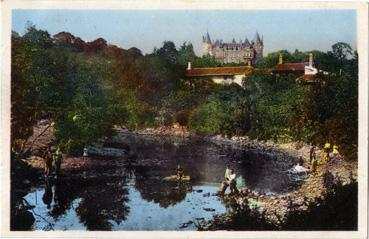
234	52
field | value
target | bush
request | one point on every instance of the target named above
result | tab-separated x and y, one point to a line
207	119
182	117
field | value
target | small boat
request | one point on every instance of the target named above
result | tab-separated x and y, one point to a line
175	178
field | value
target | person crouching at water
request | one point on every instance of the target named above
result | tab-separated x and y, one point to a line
180	172
230	180
299	168
227	173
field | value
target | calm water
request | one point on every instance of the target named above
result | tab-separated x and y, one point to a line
134	196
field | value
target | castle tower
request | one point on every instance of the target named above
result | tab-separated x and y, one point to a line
206	45
259	46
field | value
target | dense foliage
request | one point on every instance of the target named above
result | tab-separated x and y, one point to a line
88	88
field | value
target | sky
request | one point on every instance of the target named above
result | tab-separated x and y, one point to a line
145	29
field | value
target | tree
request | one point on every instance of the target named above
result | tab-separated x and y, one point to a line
168	51
186	54
37	37
342	51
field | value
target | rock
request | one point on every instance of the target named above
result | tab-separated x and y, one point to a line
106	152
186	224
22	220
206	195
209	209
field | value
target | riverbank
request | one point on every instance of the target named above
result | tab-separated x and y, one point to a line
274	208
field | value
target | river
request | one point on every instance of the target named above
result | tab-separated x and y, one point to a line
134	196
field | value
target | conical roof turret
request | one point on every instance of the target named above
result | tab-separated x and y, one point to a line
207	39
247	42
257	39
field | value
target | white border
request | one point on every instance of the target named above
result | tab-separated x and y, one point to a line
362	45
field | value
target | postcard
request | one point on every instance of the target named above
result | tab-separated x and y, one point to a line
187	119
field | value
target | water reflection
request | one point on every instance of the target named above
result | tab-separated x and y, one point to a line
102	203
165	193
134	196
48	195
63	197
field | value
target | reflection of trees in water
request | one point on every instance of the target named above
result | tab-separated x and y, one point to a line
102	202
164	193
64	194
153	188
102	198
199	159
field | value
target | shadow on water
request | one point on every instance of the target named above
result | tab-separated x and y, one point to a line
135	196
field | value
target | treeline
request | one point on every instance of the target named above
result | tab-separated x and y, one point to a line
88	88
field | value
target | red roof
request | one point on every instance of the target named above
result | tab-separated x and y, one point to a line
290	67
219	71
307	77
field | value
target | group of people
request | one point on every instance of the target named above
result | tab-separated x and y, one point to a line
50	158
328	154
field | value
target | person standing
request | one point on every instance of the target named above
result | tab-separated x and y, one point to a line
48	161
312	153
301	161
85	155
58	160
326	153
335	152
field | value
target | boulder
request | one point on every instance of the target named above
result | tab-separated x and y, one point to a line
106	152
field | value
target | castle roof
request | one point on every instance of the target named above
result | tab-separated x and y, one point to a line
257	39
247	43
219	71
219	43
206	39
